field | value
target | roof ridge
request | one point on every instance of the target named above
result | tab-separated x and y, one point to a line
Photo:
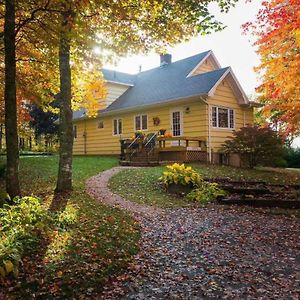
175	62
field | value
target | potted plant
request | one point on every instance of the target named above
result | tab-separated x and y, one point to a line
139	134
162	131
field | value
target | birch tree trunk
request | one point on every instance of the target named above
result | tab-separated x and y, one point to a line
11	131
64	179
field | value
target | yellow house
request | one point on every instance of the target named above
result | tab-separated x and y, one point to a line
196	101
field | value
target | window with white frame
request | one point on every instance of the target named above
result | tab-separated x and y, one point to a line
117	124
141	122
222	117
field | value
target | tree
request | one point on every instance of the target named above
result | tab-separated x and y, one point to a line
43	122
277	34
12	147
255	145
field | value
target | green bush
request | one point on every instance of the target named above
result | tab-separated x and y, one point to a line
20	224
202	191
205	193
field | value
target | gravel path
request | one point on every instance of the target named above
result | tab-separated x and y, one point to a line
206	253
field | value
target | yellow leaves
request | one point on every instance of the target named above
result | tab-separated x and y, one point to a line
59	274
2	272
9	267
89	92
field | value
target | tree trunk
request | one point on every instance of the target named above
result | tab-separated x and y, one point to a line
64	180
11	131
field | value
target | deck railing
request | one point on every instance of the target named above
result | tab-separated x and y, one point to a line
183	141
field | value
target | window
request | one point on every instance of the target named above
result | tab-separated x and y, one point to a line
100	124
222	117
141	122
75	132
117	126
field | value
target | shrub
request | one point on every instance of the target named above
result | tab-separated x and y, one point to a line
201	190
19	227
255	145
292	158
180	174
206	192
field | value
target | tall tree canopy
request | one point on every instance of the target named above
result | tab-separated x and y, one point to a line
277	34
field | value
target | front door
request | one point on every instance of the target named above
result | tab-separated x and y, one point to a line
176	123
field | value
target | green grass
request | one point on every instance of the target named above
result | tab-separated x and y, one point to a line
78	259
142	185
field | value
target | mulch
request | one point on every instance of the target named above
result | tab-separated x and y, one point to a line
206	252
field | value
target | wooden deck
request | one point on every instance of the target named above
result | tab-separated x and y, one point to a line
155	150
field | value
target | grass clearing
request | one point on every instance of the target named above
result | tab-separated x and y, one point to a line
76	259
142	185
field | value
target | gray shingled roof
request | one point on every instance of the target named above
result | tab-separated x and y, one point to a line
115	76
162	84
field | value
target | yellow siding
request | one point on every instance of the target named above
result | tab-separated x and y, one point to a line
195	123
114	91
102	141
224	97
206	66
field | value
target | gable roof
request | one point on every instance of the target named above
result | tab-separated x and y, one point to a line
168	83
165	84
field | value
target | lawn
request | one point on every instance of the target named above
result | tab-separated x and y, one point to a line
78	259
147	190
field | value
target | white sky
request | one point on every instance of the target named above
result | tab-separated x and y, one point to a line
230	47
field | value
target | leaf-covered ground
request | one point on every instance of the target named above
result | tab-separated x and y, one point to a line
211	253
73	261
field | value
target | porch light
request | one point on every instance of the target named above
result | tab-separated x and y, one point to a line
187	109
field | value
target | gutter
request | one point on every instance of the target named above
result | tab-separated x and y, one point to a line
119	82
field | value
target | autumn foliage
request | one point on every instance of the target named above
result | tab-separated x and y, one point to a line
255	145
277	34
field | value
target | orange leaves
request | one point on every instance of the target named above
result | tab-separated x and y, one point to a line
277	31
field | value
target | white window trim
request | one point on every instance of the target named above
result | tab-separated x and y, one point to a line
113	131
134	124
217	116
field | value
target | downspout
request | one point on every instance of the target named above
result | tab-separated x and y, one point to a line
208	130
84	137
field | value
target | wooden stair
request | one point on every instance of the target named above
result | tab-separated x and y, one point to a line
141	159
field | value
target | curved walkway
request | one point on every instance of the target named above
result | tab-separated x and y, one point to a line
206	253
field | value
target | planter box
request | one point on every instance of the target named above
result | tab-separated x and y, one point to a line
179	189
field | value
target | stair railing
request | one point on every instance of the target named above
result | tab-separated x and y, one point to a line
134	150
150	144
